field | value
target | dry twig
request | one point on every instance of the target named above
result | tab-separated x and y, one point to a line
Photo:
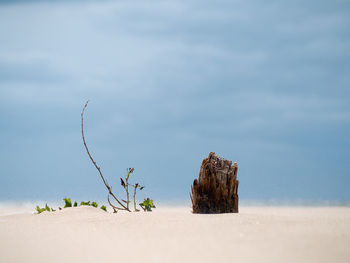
98	168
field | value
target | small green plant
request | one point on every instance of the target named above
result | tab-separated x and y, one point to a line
147	205
85	203
68	203
123	204
40	210
125	184
46	208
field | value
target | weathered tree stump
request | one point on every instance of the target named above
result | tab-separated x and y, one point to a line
216	190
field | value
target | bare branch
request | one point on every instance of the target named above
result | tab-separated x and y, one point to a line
115	208
97	167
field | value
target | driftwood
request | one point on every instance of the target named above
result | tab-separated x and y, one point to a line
216	190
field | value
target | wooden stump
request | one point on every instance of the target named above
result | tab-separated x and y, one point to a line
216	190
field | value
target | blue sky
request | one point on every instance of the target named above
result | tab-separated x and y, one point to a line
265	84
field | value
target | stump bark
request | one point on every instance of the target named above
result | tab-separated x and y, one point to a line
216	190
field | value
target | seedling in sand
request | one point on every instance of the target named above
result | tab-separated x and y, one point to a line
147	205
68	203
46	208
123	204
125	184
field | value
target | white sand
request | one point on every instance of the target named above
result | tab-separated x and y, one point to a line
256	234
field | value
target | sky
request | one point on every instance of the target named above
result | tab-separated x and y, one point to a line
262	83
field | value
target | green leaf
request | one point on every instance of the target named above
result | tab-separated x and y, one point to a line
85	203
39	210
68	202
104	208
75	204
46	208
147	204
94	204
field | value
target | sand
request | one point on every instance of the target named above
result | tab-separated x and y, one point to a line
174	234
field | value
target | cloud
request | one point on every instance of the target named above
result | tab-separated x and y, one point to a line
264	82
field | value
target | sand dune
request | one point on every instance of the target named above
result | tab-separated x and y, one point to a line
256	234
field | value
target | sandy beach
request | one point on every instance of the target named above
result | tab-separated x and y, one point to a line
174	234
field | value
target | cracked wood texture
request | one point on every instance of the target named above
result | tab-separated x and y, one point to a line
216	190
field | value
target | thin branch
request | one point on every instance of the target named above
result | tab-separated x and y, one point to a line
93	161
115	208
135	188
